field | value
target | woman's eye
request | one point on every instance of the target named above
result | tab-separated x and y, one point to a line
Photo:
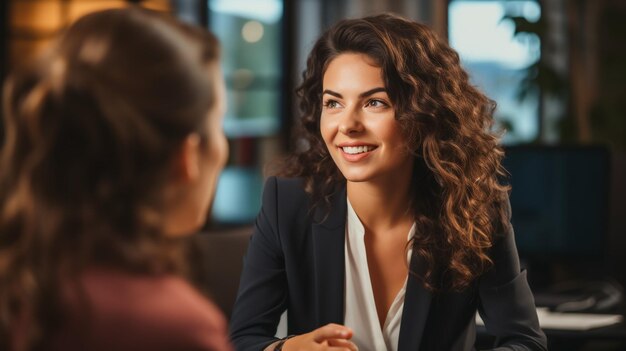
331	104
376	103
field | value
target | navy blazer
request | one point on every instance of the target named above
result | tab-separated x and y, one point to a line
295	262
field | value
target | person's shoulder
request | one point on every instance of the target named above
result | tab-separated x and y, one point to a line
283	188
166	309
502	229
192	316
146	295
289	184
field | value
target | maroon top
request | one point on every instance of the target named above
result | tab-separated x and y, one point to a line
138	312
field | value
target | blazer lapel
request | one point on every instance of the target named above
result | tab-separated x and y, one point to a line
328	232
415	312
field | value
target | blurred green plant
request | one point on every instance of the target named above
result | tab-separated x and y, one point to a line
540	76
540	79
607	114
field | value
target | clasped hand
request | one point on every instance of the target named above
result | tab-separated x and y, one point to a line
331	337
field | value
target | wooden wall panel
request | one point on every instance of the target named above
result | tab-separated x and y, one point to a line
41	16
77	9
33	23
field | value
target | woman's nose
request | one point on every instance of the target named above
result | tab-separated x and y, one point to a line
350	123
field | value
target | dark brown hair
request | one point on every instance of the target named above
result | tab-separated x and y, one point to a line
448	124
90	132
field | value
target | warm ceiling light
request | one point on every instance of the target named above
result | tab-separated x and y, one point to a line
252	31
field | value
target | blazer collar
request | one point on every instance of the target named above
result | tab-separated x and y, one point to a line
328	233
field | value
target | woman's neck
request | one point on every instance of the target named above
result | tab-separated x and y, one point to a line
382	205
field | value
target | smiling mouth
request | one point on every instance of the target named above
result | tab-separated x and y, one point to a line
355	150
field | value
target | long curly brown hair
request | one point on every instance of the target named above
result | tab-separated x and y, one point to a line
91	129
459	202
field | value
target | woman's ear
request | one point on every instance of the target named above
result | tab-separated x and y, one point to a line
187	159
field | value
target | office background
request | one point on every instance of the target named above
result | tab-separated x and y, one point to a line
556	69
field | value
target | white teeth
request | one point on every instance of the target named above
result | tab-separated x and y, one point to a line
353	150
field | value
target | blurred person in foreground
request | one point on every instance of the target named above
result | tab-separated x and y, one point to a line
113	146
388	229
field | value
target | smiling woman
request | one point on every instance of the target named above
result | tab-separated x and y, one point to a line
390	229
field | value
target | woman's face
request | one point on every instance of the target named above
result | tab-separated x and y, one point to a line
216	154
206	163
358	122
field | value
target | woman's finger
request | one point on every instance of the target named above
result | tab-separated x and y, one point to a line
331	331
347	344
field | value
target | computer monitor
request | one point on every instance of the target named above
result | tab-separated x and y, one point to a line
559	201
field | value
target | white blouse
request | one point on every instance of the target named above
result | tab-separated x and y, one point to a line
360	308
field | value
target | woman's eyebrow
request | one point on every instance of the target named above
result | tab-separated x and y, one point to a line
372	92
362	95
333	93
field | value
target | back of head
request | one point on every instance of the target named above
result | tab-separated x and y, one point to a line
90	130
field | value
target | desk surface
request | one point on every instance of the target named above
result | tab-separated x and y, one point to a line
583	324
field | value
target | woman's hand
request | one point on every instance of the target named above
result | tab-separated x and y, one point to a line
331	337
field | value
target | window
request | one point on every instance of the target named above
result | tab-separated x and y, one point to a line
497	61
251	34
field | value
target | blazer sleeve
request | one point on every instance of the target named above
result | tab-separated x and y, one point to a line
507	304
262	295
